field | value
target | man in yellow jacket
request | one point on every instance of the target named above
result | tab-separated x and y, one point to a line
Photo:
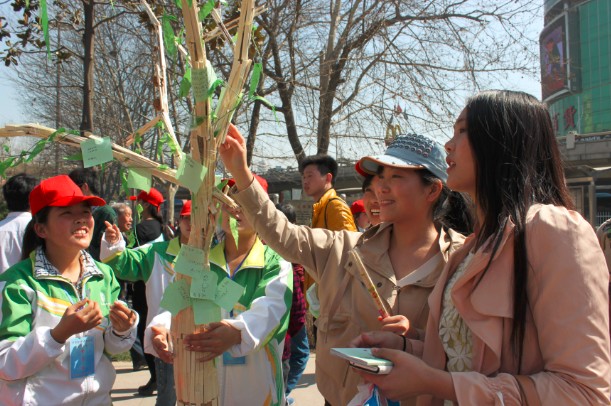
318	173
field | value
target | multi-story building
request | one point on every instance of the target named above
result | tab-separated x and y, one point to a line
576	84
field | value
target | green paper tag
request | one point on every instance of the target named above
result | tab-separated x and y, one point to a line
176	297
139	178
199	84
228	293
189	261
205	311
96	151
203	285
191	173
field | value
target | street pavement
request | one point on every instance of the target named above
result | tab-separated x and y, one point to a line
124	392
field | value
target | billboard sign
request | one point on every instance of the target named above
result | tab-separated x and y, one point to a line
554	58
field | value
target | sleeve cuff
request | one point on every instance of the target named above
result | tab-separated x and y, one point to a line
247	344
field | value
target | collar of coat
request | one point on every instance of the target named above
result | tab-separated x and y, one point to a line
254	259
42	268
373	247
488	301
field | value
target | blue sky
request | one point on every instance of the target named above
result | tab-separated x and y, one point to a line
10	105
13	110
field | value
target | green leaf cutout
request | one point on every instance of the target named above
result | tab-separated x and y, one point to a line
44	20
205	10
254	79
169	39
233	225
185	84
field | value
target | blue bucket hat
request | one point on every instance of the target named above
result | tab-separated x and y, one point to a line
409	151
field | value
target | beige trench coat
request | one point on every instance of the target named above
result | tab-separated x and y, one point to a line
346	306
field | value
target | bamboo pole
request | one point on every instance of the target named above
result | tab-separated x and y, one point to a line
198	382
125	156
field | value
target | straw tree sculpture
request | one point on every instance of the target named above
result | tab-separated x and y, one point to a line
196	382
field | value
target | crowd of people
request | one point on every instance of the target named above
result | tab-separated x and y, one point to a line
463	264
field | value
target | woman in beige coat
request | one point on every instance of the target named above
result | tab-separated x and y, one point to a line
519	315
404	254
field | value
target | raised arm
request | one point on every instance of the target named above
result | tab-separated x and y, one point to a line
128	264
318	250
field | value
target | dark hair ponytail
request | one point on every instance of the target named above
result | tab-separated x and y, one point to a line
452	209
31	240
154	212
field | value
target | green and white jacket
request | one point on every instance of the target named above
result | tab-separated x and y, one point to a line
261	315
34	368
152	263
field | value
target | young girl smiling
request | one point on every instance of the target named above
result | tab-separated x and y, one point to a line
58	311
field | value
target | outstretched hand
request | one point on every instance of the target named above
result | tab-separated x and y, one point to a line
112	233
162	340
233	154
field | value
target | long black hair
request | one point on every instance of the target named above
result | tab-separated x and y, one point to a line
517	165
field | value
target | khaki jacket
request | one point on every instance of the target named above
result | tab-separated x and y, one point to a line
566	345
347	309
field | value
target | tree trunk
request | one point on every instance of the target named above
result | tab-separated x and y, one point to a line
285	91
88	46
289	121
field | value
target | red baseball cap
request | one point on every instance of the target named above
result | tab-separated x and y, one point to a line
359	169
59	191
154	197
258	178
186	209
357	207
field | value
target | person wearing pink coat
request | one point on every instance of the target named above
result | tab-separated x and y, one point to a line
519	315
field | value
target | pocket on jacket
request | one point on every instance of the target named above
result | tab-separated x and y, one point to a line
337	321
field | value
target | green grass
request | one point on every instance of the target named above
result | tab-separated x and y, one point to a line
124	356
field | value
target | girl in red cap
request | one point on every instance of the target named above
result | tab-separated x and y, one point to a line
59	314
151	222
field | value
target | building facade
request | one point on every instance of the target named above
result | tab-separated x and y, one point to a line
575	49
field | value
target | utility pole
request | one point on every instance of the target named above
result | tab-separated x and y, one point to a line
58	111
